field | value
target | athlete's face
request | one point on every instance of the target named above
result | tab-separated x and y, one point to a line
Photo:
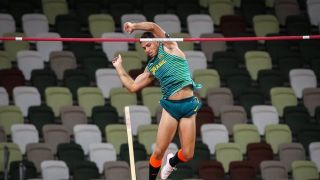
150	48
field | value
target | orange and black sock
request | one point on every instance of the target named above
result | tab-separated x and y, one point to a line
154	167
177	158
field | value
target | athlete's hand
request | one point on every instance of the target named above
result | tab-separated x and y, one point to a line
128	27
117	61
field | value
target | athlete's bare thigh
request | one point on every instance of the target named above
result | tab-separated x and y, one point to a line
166	131
187	134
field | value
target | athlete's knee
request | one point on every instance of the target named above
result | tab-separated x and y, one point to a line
187	153
158	152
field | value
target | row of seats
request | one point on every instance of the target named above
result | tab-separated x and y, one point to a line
107	79
197	24
70	158
213	170
34	24
210	55
87	98
225	72
225	152
219	104
210	134
262	23
58	169
237	88
83	9
215	96
297	122
221	60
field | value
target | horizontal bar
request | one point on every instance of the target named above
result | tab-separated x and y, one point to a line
272	38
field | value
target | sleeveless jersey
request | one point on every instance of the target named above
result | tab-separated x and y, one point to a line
171	71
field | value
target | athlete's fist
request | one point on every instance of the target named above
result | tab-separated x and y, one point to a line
128	27
117	61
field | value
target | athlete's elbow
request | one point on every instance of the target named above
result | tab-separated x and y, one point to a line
152	26
133	89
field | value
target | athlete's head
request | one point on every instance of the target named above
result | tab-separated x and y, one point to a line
150	47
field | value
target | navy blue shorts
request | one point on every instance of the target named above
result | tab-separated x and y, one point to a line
181	108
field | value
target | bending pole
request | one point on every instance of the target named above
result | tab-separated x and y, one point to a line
271	38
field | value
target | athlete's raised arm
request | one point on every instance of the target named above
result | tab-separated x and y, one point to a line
155	29
132	85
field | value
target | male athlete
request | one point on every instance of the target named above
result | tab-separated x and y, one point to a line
167	63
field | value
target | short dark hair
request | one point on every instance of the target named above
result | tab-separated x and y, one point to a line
147	35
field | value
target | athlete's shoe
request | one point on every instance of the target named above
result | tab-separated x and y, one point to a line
167	168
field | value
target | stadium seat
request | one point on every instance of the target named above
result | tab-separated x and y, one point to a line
227	153
57	97
14	153
285	8
89	97
54	169
311	99
290	152
121	97
100	23
103	116
265	24
8	24
304	170
231	115
71	153
150	98
34	23
110	49
13	47
40	116
273	170
10	115
45	47
282	97
23	134
258	153
38	152
71	116
147	135
314	152
301	79
277	134
117	170
74	79
11	78
217	98
256	61
55	134
220	8
139	115
25	97
244	134
60	61
28	61
43	78
213	134
116	134
209	78
101	153
198	24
